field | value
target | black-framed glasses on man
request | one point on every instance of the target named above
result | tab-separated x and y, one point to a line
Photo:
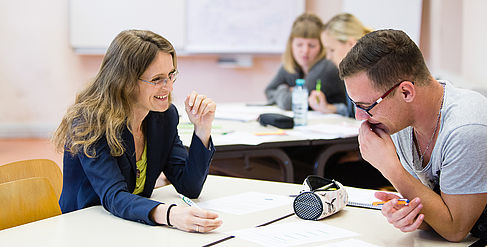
161	80
367	109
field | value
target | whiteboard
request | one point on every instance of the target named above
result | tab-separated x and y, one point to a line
403	15
244	26
192	26
95	23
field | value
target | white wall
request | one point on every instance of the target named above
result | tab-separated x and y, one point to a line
325	9
474	47
445	33
457	49
38	71
40	74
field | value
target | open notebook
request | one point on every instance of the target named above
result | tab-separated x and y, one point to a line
363	197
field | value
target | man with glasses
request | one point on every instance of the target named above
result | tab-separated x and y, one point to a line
425	136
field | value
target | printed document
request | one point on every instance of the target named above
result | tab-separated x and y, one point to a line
290	234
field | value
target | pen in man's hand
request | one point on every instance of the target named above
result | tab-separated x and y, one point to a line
400	201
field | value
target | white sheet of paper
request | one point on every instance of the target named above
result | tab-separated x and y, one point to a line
244	113
321	116
245	203
350	242
290	234
244	138
326	131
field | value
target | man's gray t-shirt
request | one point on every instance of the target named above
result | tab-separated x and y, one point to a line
458	163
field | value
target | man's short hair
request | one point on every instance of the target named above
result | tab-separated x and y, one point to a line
388	57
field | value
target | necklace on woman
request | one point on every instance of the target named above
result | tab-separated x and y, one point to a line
434	131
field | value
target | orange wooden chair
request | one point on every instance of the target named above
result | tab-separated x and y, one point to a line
33	168
27	200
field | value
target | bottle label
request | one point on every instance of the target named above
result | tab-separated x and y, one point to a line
300	106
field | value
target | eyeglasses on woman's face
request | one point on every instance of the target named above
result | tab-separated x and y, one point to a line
159	80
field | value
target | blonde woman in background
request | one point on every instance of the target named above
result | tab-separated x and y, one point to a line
304	58
339	35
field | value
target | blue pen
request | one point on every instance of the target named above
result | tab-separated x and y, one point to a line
188	201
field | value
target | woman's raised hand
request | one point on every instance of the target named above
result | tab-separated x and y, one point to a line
201	112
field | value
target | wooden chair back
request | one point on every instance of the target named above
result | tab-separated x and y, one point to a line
33	168
27	200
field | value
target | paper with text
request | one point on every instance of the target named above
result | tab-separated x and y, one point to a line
290	234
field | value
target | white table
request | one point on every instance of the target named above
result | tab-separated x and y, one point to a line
96	227
236	141
224	126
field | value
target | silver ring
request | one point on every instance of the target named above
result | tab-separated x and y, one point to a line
197	228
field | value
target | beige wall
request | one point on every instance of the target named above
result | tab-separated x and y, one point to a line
38	71
453	42
325	9
474	46
444	49
40	74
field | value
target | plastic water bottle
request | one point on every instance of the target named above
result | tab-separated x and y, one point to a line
300	103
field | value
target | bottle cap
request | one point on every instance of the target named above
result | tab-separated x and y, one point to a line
299	82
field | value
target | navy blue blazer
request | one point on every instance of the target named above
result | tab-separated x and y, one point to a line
110	181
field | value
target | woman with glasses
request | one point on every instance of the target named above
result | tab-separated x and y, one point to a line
304	58
339	35
120	135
